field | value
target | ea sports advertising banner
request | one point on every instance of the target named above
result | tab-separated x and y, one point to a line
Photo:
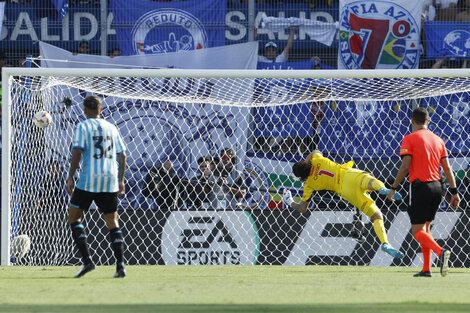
379	34
148	27
210	238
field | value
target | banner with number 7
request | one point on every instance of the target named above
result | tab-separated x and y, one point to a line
379	34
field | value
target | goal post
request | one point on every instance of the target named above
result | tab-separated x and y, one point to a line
268	118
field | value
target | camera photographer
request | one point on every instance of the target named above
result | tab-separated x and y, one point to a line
232	181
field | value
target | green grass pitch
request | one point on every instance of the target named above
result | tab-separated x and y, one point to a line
233	289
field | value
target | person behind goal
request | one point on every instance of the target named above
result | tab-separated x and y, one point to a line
102	149
353	185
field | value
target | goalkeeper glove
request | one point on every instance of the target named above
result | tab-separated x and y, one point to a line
287	197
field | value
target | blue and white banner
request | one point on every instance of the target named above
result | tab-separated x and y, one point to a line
149	27
364	128
379	34
54	9
22	28
450	119
305	65
2	12
239	56
284	121
447	39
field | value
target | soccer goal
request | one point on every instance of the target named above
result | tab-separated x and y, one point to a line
209	152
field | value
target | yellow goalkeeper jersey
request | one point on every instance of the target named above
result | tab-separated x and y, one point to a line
324	175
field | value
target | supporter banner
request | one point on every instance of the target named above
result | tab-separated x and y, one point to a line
284	121
306	65
149	27
55	9
367	128
447	39
2	12
278	121
22	28
240	56
450	119
379	34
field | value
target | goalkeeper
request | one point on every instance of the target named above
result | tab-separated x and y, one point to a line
353	185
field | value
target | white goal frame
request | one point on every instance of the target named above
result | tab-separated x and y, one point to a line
7	74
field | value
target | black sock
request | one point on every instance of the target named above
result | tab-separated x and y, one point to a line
117	244
79	236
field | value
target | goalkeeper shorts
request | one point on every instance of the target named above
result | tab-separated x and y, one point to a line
352	192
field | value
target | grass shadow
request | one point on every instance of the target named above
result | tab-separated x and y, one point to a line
415	307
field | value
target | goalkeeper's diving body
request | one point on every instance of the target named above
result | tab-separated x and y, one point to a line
353	185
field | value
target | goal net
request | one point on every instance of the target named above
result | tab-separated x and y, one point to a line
209	153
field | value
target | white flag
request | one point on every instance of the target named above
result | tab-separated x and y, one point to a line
2	13
319	31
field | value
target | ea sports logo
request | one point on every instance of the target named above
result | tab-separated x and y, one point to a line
168	30
210	238
378	34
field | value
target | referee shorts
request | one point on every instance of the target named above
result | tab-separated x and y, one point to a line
425	198
105	201
352	192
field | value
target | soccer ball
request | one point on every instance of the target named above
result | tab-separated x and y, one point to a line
42	119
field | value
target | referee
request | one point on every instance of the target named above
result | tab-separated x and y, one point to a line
423	153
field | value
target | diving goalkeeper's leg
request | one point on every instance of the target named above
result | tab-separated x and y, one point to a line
379	229
369	182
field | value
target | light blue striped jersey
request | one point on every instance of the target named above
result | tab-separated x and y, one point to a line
100	142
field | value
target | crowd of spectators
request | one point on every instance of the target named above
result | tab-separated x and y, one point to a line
446	10
218	185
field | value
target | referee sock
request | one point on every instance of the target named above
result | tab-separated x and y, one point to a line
79	237
379	229
426	258
426	240
117	244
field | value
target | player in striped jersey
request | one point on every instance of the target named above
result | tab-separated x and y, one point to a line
353	185
100	147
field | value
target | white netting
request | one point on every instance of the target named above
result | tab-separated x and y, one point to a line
269	123
261	91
